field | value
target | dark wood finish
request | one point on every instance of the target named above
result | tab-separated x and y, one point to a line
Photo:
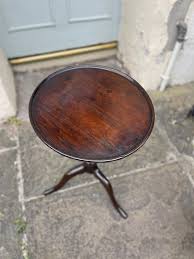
90	168
91	113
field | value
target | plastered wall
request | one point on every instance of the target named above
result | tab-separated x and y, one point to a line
7	89
147	37
183	71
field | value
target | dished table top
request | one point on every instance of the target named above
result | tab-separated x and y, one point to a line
91	113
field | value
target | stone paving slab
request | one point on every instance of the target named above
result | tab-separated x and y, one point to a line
172	106
82	223
26	82
42	167
10	208
7	136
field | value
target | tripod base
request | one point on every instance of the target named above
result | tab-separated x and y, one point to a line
90	168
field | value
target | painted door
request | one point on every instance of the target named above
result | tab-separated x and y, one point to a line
33	27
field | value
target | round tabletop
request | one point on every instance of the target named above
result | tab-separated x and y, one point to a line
91	113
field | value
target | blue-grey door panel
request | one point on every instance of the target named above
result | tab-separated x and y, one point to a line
33	27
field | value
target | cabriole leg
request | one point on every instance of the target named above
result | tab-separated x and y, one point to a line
107	185
79	169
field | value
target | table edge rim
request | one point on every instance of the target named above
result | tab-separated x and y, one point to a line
110	69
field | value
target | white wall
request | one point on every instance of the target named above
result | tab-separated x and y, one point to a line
143	37
7	89
147	37
183	71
